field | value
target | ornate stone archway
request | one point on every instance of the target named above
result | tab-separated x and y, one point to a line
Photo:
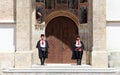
67	17
60	33
61	13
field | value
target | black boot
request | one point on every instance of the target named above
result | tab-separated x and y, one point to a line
41	61
78	61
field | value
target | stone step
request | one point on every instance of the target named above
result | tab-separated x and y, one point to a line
61	66
61	70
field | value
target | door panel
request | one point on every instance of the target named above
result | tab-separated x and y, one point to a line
60	33
53	34
68	36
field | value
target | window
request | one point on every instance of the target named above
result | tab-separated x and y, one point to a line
83	14
83	11
40	1
49	4
61	1
82	1
73	4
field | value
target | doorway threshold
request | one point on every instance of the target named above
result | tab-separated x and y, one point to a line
58	64
50	65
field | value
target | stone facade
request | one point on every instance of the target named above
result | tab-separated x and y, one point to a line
99	34
7	10
7	60
23	33
26	35
21	14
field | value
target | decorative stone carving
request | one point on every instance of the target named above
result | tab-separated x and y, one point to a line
39	26
39	14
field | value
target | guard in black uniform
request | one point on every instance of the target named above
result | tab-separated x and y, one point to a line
42	46
77	52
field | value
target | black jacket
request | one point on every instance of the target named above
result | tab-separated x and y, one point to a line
82	45
40	49
75	53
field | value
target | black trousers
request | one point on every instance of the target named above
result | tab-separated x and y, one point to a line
42	60
79	57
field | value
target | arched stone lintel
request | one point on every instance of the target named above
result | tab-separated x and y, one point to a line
61	13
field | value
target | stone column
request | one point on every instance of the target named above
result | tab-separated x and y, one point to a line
23	56
99	53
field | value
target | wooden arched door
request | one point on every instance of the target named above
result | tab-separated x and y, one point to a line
60	34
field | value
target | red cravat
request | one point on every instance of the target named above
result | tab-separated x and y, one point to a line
78	42
42	42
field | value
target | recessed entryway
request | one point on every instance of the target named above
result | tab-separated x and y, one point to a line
60	33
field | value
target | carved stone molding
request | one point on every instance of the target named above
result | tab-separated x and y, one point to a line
61	13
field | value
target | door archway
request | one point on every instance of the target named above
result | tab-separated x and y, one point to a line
60	34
